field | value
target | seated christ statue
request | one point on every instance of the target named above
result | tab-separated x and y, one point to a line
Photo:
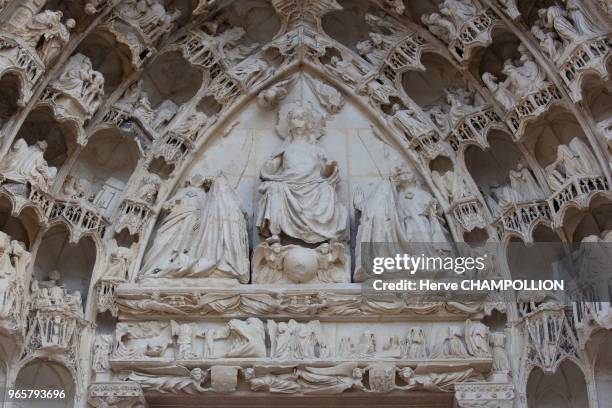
299	187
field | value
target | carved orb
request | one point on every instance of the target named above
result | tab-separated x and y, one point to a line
300	264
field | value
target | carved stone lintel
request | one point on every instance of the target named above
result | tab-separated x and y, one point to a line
484	395
117	395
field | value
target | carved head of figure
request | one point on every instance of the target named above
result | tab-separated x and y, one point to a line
525	55
41	145
508	67
357	373
301	122
542	13
54	276
232	35
324	248
376	38
197	374
70	23
195	180
403	177
249	373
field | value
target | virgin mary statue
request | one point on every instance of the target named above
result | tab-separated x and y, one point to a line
203	236
299	187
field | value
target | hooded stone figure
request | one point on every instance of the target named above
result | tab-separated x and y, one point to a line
203	236
381	232
397	217
175	233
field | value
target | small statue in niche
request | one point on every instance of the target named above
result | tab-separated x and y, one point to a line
440	26
102	349
410	122
500	358
524	185
148	189
148	15
136	101
521	80
190	126
571	27
120	260
573	160
549	41
299	187
46	33
76	188
500	90
51	294
27	164
461	102
81	82
14	259
348	71
459	11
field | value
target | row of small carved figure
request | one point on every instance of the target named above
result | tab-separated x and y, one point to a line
376	377
290	341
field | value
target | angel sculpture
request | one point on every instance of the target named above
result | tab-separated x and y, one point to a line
275	263
171	379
